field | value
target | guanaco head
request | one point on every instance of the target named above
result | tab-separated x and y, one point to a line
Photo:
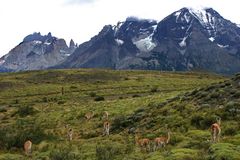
218	120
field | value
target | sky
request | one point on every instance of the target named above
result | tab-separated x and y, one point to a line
82	19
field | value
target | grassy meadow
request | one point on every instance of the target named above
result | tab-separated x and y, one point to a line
37	105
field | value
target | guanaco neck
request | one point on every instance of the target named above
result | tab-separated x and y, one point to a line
168	137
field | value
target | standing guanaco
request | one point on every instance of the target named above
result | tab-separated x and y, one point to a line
89	115
143	143
105	115
106	127
70	134
161	141
216	130
28	147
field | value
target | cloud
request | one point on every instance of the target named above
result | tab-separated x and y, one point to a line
72	2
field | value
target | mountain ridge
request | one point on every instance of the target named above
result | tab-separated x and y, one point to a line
187	39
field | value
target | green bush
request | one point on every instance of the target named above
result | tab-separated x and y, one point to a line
224	151
99	98
64	153
3	109
92	94
154	89
61	102
15	136
196	120
108	151
25	111
136	95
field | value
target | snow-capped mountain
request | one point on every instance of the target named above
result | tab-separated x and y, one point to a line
36	52
187	39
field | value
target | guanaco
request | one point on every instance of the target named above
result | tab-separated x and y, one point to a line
106	127
216	130
70	134
161	141
28	147
143	143
89	115
105	115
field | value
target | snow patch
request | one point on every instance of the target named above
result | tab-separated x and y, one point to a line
183	42
146	44
37	42
205	18
2	61
67	55
119	42
222	46
211	39
47	43
62	51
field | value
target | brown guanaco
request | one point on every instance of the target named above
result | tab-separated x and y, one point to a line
105	115
216	130
161	141
89	115
28	147
143	143
70	134
106	127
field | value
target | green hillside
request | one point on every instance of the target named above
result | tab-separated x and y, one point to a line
38	105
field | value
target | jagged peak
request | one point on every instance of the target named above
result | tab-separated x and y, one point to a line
37	36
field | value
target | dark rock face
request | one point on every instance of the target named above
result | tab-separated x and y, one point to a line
188	39
36	52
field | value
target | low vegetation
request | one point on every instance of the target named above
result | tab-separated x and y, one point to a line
42	106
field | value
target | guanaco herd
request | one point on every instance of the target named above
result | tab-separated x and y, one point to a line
143	143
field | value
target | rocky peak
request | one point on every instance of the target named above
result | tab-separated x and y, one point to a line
72	44
36	36
134	27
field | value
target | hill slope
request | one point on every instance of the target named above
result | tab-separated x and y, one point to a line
38	105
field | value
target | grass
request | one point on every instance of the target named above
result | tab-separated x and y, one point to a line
49	100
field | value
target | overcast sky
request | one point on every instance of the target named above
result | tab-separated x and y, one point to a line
82	19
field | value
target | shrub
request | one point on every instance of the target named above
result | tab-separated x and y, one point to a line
196	121
45	99
92	94
154	89
25	111
230	130
15	136
3	110
64	153
61	102
136	95
119	122
237	94
99	98
108	151
215	94
73	87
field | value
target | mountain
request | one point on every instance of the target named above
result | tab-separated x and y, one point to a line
36	52
188	39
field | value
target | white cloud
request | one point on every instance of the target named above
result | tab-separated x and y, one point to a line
74	2
85	18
